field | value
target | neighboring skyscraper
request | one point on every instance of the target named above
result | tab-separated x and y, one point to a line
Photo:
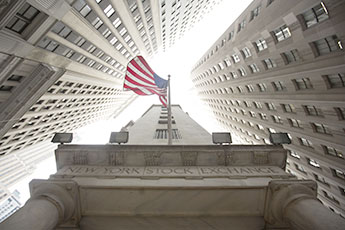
152	128
9	203
62	63
280	68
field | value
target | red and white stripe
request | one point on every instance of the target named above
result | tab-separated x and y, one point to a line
139	78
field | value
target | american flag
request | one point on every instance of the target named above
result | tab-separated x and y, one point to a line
141	79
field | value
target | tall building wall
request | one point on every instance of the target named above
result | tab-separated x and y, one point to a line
62	64
151	128
279	67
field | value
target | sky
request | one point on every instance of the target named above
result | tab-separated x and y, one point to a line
178	62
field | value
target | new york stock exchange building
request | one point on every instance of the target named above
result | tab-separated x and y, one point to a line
191	184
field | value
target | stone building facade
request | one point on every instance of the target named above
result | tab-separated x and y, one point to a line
279	67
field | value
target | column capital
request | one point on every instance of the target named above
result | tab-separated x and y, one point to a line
63	194
281	193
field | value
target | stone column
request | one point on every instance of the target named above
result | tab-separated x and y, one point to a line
49	205
295	203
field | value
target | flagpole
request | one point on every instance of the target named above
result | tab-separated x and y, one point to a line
169	114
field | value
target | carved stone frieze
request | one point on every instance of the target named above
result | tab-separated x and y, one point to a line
116	158
80	158
152	158
189	158
260	158
225	158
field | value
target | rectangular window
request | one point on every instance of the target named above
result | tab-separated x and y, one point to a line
261	44
231	35
302	84
277	119
246	52
263	116
257	104
278	86
338	173
320	179
235	58
312	110
294	123
23	18
327	45
294	155
335	80
282	33
320	128
254	68
332	151
250	88
242	71
163	134
300	168
330	197
271	106
262	87
291	56
255	12
241	25
315	15
313	163
269	63
306	142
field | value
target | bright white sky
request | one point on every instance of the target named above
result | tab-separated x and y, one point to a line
178	62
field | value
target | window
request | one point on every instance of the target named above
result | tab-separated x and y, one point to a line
327	45
313	163
340	112
231	35
254	68
315	15
300	168
320	179
6	88
235	58
246	52
320	128
257	104
250	88
282	33
294	123
291	56
239	88
330	197
278	86
270	106
260	127
227	62
277	119
17	78
332	151
23	18
262	87
312	110
335	80
255	12
241	25
261	44
338	173
269	2
294	154
269	63
163	134
305	142
263	116
242	71
302	84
